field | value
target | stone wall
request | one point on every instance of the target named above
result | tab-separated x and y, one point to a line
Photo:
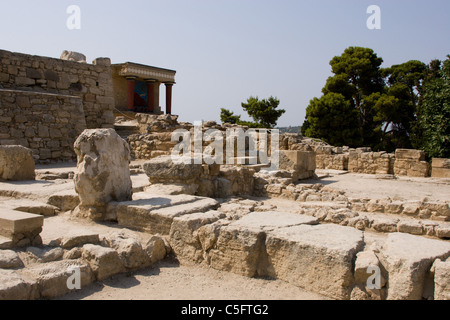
154	139
411	163
405	162
91	82
46	123
440	168
359	160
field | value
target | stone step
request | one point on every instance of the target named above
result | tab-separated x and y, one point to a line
155	214
17	225
30	206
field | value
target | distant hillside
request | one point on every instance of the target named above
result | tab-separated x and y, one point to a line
289	129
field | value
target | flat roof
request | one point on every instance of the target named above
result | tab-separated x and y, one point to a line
142	65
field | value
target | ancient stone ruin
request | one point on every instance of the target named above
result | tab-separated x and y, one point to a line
343	223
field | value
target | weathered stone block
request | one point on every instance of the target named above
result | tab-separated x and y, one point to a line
103	171
9	260
13	223
163	169
440	168
16	163
14	287
184	239
51	278
408	259
409	154
317	258
155	214
103	261
441	270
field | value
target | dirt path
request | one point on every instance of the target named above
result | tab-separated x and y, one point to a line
168	280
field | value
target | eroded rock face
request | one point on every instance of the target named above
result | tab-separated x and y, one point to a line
441	271
16	163
408	259
103	171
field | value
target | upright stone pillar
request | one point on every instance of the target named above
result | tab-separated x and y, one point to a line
103	173
151	96
169	86
130	96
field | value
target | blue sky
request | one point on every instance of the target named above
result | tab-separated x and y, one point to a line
227	50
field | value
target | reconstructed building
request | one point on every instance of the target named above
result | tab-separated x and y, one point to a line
45	103
137	87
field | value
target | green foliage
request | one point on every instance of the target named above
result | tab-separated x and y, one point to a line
357	76
333	119
227	116
388	102
434	112
264	113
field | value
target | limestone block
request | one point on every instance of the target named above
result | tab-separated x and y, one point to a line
66	200
51	278
164	168
16	163
365	265
102	62
155	214
323	149
73	56
14	287
408	259
364	260
103	173
411	227
302	163
410	154
172	189
9	260
130	251
239	251
419	169
184	238
17	225
443	231
317	258
103	261
45	255
156	248
382	224
76	240
440	168
240	246
441	271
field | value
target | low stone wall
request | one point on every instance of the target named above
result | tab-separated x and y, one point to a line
359	160
199	179
440	168
411	163
48	124
405	162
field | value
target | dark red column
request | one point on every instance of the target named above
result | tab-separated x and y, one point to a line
169	97
130	96
151	96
